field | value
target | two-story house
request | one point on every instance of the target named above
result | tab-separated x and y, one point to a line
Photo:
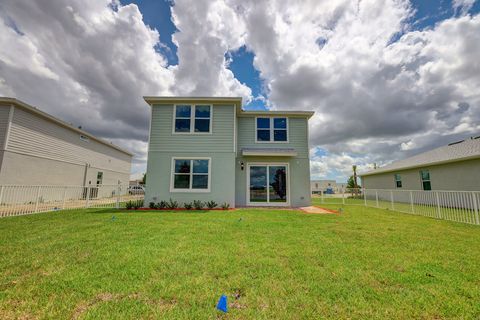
208	148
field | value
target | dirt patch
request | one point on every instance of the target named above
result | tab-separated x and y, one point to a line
163	304
318	210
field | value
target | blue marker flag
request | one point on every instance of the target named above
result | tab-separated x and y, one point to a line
222	303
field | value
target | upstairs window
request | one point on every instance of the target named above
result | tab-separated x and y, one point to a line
191	175
425	176
193	119
398	181
272	129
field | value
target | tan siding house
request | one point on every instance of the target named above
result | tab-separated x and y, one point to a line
38	149
453	167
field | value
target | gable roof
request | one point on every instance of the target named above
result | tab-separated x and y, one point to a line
237	101
20	104
457	151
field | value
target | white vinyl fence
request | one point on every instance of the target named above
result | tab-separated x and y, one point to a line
459	206
20	200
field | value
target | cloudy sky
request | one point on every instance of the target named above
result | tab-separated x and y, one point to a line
387	78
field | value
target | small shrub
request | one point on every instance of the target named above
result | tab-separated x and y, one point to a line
137	204
133	204
198	205
225	206
172	204
161	205
151	205
188	205
211	204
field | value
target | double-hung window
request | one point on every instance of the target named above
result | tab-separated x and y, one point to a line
193	118
190	175
272	129
425	176
398	180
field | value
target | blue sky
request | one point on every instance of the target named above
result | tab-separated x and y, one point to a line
381	91
157	14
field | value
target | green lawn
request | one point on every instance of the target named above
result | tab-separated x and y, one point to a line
366	263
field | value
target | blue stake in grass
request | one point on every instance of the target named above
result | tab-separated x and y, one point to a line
222	303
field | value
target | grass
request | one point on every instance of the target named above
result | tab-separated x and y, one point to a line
366	263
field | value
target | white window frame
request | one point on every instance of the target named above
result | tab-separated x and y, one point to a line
429	179
192	118
395	180
190	190
272	129
268	203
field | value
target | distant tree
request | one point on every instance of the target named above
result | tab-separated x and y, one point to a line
144	179
351	183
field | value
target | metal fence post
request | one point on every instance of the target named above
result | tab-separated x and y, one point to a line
343	196
1	195
411	202
37	199
376	197
87	197
117	204
64	196
391	200
475	208
439	211
365	196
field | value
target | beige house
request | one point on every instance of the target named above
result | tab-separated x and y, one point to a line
452	167
318	186
39	149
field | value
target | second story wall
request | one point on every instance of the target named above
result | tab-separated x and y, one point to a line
297	135
221	138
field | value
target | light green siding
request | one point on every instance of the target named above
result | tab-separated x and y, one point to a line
297	135
220	140
164	145
228	181
222	187
299	179
299	166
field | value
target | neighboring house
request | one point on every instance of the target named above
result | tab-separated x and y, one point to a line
210	149
452	167
135	182
39	149
326	186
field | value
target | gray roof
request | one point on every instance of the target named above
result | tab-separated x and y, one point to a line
35	110
458	151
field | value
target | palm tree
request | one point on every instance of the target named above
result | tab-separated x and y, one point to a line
355	185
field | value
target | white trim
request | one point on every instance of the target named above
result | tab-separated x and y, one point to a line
382	170
272	129
269	154
192	119
235	130
9	126
395	180
422	181
268	204
190	190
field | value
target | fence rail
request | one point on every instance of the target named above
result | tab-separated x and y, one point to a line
20	200
459	206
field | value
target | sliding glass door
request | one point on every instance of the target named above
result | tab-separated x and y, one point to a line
267	184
